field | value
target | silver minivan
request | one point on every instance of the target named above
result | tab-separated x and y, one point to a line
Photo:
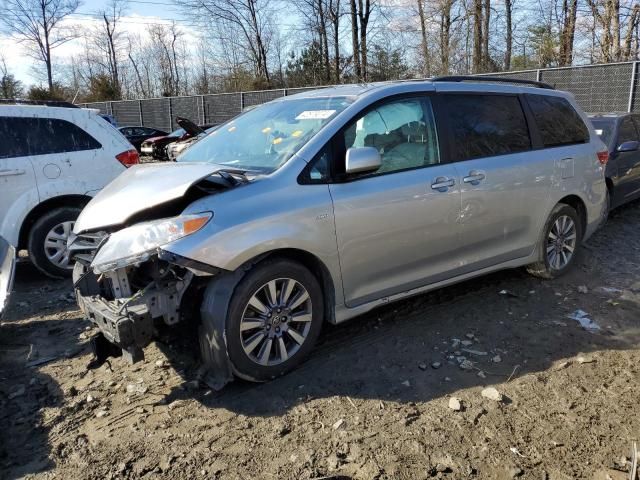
321	206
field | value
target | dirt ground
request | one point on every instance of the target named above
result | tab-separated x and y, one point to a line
373	401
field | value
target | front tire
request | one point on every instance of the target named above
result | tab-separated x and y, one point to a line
274	319
47	242
559	244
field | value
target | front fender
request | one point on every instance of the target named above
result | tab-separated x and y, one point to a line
255	219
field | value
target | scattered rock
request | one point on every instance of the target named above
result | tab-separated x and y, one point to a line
470	336
466	365
137	388
466	343
140	410
338	424
90	398
406	383
447	379
436	365
496	359
422	366
175	404
455	404
161	364
583	289
481	374
581	360
492	394
455	342
474	352
101	413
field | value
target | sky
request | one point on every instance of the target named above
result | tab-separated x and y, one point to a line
139	14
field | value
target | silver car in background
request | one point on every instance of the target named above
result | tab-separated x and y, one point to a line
321	206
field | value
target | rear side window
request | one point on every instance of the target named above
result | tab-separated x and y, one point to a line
42	136
486	125
558	122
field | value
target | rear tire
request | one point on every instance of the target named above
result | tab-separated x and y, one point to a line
47	242
274	319
559	243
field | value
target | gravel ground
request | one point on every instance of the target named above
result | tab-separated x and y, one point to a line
398	393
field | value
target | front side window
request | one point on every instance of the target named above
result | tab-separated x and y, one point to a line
265	137
557	120
486	125
42	136
403	131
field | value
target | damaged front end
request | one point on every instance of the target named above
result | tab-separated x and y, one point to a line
127	281
128	303
126	284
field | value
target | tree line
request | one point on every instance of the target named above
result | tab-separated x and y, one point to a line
232	45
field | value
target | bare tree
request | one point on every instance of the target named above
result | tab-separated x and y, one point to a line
111	16
38	24
508	11
251	19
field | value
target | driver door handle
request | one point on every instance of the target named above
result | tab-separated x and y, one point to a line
474	177
442	184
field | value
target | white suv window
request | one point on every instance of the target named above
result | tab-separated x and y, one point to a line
25	136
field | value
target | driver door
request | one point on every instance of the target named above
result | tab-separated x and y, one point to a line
397	227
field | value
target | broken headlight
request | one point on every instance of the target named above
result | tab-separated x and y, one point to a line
136	243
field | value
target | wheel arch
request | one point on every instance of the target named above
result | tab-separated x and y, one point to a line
315	266
44	207
579	206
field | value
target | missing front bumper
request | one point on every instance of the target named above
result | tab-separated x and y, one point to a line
130	328
128	316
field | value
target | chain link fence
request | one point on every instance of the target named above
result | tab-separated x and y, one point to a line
597	88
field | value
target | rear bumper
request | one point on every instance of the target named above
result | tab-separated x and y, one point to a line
7	272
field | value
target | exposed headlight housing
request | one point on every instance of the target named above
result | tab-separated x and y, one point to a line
137	243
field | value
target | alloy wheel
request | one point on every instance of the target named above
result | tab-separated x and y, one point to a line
561	242
55	245
276	321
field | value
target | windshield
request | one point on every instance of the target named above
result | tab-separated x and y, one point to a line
265	137
604	129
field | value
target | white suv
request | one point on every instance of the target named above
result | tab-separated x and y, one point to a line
53	158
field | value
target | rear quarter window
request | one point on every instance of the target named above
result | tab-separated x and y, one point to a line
486	125
42	136
558	122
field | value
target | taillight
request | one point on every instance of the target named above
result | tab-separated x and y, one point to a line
603	157
128	158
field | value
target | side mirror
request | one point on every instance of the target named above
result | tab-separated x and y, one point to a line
630	146
362	159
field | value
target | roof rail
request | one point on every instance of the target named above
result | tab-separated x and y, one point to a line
490	79
47	103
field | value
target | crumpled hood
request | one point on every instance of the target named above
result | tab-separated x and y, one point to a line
139	188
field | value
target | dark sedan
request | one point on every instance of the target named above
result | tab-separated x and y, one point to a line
137	135
620	131
157	146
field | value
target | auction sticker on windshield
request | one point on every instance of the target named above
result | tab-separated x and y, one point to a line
315	114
